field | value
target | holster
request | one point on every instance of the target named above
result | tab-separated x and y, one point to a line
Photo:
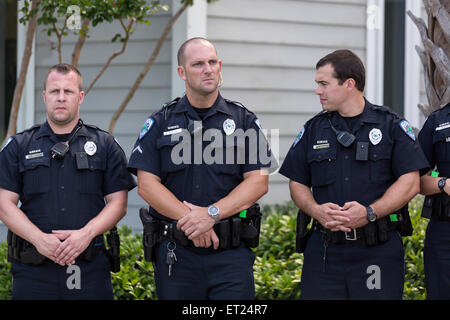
404	225
302	233
427	209
251	226
113	252
151	234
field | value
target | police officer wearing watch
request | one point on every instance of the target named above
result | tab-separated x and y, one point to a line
434	138
348	171
198	197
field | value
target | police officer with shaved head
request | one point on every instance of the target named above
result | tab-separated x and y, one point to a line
352	168
201	189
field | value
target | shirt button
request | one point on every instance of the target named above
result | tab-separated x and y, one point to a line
346	178
197	186
346	157
62	187
63	209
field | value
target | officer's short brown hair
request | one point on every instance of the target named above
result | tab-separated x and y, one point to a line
346	65
65	68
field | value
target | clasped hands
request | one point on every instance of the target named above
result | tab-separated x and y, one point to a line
197	225
63	246
351	215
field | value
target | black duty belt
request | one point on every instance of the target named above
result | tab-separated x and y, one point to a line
20	250
354	234
231	231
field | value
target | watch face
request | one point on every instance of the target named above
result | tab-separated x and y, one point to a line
372	217
441	184
213	210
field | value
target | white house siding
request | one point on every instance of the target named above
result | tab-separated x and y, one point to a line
110	90
269	49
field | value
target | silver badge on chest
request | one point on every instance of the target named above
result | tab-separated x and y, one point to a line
229	126
90	148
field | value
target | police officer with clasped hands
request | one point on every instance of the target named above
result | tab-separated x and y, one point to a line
435	141
352	168
72	183
201	186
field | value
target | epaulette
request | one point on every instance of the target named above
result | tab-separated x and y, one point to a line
95	127
169	104
387	110
234	102
440	109
36	126
320	114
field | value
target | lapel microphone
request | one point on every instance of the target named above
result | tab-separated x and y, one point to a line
344	138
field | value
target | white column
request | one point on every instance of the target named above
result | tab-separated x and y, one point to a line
375	51
192	23
412	65
25	117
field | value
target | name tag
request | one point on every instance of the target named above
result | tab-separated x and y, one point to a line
34	155
443	126
167	133
321	146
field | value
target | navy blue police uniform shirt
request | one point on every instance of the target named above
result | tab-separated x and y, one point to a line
434	139
61	194
194	179
337	174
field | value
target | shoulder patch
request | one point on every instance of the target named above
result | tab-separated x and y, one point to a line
406	127
146	128
299	136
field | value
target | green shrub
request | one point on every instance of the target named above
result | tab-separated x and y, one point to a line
415	274
5	275
277	266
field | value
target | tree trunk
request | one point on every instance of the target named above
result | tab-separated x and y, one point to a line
435	54
80	42
12	126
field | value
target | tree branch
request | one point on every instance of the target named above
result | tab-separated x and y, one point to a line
147	67
80	42
114	55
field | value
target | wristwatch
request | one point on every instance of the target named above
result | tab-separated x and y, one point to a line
441	184
213	212
371	215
